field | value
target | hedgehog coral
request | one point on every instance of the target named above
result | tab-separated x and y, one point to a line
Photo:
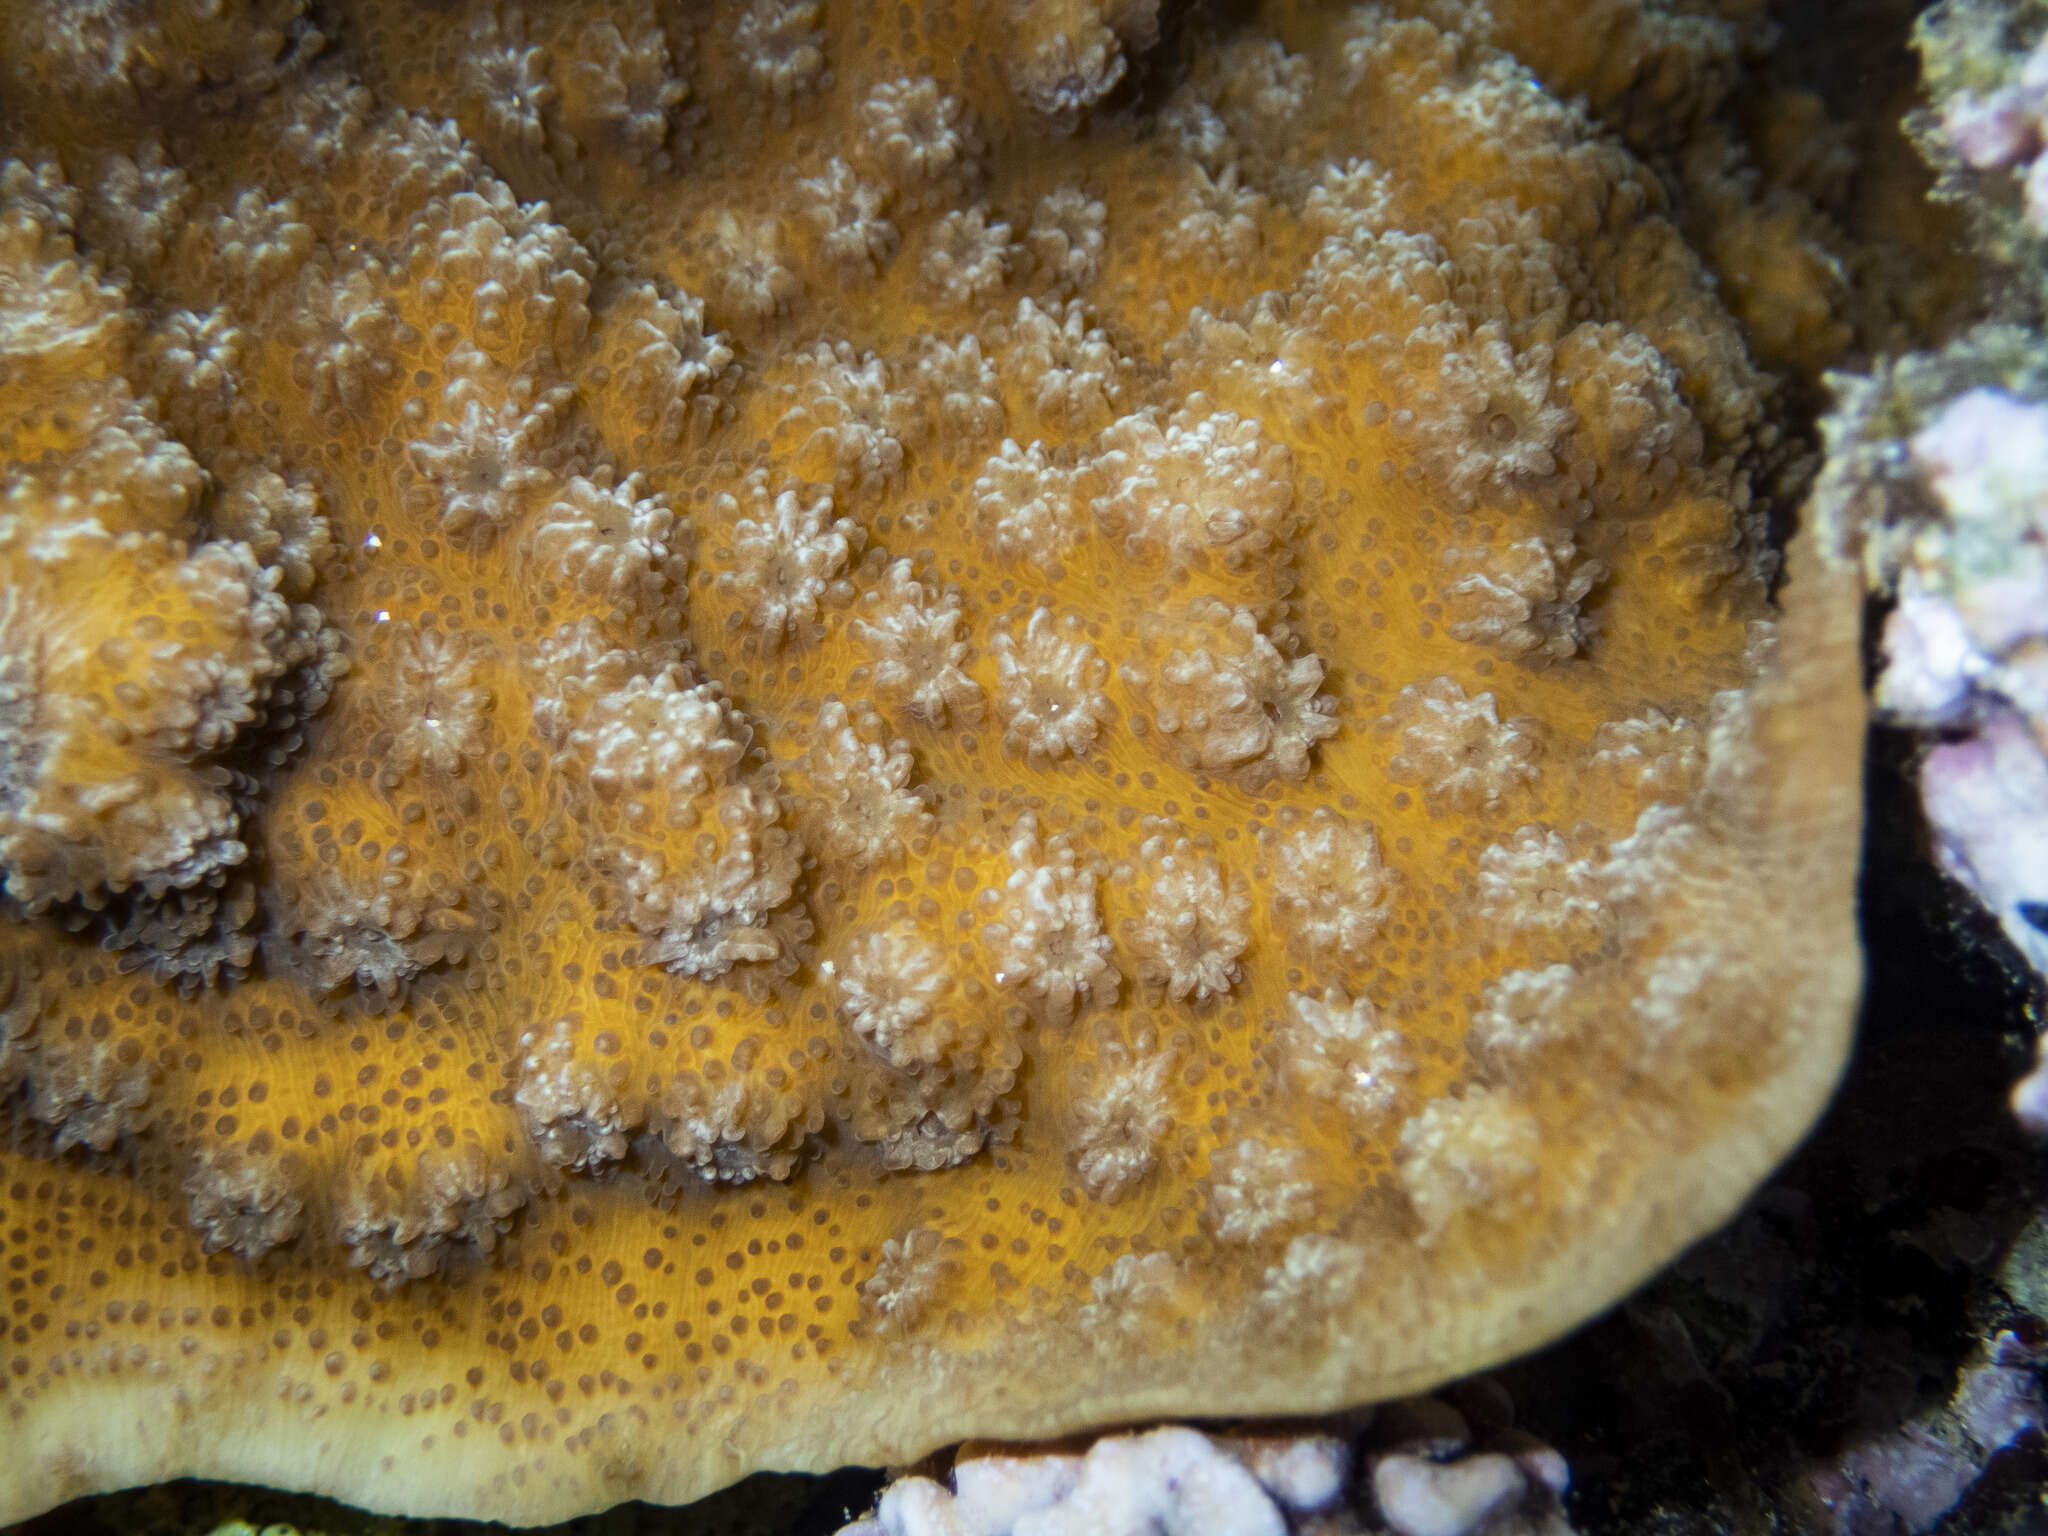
750	735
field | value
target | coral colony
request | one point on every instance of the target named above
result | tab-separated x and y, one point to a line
753	735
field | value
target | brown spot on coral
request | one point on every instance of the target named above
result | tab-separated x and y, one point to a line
669	672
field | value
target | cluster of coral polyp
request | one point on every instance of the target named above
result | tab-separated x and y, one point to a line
757	734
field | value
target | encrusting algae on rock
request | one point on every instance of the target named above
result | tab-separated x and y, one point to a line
750	736
1936	483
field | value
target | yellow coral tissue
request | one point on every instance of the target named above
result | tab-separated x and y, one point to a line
750	734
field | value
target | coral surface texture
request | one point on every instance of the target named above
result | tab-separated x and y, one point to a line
753	735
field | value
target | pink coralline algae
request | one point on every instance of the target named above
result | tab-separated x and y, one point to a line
1904	1482
2003	130
1957	533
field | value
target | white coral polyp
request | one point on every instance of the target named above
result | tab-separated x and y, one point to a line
847	408
1121	1115
619	91
727	1131
867	812
750	275
1521	1014
786	560
891	984
1493	424
658	736
261	243
671	363
142	204
1533	886
347	339
579	663
526	282
706	915
90	1089
1024	506
1315	1276
614	543
283	522
1478	1155
1049	688
1193	922
190	369
1522	598
505	80
658	756
406	1229
1351	201
369	942
1257	86
961	387
914	635
1329	889
1257	1189
1134	1290
1064	369
781	47
1339	1050
1214	219
1458	748
1194	485
433	700
908	1278
245	1203
1064	57
917	133
571	1098
1048	936
848	214
482	468
1650	757
1231	702
967	256
1066	238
